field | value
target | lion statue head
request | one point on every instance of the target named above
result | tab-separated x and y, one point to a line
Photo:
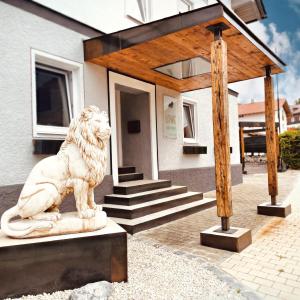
90	132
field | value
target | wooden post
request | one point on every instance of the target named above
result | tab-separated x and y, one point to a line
242	148
271	137
221	129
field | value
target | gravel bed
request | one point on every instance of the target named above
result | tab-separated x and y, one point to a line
157	273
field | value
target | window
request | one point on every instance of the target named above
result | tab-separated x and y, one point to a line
184	5
53	103
189	121
140	10
186	68
57	94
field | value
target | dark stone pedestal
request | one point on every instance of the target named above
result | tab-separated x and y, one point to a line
279	210
34	266
236	239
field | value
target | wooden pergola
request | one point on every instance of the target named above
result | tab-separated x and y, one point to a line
217	35
252	128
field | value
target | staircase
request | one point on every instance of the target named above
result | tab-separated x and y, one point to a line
139	204
128	174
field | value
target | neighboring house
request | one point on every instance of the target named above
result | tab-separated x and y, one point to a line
45	81
255	112
294	119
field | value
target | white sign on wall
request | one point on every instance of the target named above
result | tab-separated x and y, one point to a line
170	117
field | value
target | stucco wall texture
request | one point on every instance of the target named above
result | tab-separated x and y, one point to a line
171	155
20	32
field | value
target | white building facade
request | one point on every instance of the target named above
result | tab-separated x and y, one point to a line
255	112
43	58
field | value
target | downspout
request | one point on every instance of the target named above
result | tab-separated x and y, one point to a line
278	103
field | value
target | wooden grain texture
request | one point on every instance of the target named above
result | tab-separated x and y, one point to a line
245	60
221	127
271	138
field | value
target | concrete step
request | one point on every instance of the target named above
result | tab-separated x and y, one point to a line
126	170
150	207
142	197
130	177
135	225
137	186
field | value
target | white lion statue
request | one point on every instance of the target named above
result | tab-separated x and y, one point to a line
78	168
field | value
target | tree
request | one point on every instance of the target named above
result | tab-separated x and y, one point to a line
290	148
297	101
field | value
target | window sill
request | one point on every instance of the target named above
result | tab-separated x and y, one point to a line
194	149
43	132
46	147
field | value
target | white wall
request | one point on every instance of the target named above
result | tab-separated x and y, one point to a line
21	31
165	8
170	153
110	15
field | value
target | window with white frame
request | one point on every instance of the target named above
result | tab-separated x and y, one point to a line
189	121
57	90
184	5
140	10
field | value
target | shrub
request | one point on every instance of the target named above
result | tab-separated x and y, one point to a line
290	148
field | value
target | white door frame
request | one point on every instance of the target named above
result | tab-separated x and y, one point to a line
115	78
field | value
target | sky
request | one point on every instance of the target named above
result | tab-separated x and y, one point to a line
281	31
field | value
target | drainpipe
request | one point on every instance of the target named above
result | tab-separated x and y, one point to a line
278	102
280	164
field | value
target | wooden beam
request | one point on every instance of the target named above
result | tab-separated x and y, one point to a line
271	137
221	130
249	131
254	124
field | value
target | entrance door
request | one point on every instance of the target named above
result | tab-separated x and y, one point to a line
133	122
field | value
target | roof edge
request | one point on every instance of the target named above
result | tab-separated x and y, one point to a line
233	93
240	24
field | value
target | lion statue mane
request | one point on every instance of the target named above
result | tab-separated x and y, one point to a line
78	168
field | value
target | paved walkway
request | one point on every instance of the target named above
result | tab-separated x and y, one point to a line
271	265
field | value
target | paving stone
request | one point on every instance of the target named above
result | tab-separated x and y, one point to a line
289	276
283	287
293	283
275	252
269	291
259	274
276	278
251	284
286	296
296	291
263	282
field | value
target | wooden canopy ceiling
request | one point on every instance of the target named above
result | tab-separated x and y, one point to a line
139	50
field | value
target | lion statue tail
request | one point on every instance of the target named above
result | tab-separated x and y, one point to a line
18	232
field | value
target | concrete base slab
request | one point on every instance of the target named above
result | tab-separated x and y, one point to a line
279	210
236	239
48	264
